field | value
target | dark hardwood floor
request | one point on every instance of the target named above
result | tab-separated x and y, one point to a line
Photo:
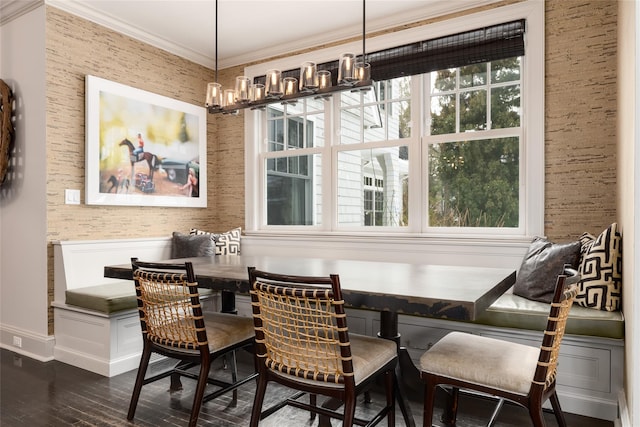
55	394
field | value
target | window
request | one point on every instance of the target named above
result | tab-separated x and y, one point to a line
449	151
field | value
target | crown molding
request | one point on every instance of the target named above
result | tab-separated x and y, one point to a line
84	10
12	9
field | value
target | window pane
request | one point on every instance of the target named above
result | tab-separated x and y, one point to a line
474	183
295	107
399	120
443	81
473	110
505	70
293	190
505	107
315	130
350	129
443	114
373	187
298	131
383	113
400	88
295	133
473	75
348	98
315	105
275	134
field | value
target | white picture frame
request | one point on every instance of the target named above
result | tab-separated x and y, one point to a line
174	138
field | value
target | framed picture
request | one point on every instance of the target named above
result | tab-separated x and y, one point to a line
143	149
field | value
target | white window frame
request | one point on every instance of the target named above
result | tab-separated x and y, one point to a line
532	146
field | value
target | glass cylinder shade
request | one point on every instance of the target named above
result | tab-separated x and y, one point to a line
346	69
324	79
256	92
242	89
273	85
363	71
290	85
308	76
229	97
214	95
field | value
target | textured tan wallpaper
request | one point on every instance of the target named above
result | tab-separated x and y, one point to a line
580	147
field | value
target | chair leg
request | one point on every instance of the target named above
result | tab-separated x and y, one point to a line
349	410
451	407
429	399
557	411
142	371
390	386
234	373
199	394
176	382
536	416
313	402
261	389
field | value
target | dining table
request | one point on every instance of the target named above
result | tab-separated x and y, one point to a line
452	292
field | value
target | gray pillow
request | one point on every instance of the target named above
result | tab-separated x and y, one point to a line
188	245
536	279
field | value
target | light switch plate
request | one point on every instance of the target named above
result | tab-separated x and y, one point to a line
72	197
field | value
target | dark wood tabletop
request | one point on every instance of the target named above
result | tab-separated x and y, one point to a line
453	292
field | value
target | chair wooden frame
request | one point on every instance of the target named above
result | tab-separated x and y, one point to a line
174	325
543	383
302	342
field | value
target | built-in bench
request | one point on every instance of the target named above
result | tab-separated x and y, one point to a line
96	322
107	340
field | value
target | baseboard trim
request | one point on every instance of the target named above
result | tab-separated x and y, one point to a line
34	346
107	368
624	419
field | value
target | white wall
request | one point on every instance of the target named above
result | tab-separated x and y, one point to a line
23	197
629	199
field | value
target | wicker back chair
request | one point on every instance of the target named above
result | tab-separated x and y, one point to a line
174	325
303	342
514	372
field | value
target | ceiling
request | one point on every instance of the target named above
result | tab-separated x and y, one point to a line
248	30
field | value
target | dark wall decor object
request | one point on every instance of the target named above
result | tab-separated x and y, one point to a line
7	132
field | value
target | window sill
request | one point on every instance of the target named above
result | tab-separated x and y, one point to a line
494	251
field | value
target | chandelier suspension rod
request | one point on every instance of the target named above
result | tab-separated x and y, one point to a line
216	41
364	56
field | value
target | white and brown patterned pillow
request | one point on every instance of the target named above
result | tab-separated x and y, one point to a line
601	270
227	243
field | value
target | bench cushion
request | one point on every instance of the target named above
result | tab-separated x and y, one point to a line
513	311
110	297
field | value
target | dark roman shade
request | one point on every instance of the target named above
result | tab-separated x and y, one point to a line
470	47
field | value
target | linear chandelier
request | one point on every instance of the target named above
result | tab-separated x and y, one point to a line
317	80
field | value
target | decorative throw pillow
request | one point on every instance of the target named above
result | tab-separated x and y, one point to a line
188	246
601	270
227	243
538	273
